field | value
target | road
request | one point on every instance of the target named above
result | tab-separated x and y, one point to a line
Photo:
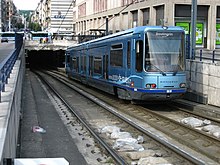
6	49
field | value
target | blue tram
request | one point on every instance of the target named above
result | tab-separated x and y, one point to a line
143	63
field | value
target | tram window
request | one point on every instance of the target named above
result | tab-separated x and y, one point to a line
139	56
116	55
105	66
98	65
77	64
83	65
90	65
68	58
74	63
129	54
117	46
81	60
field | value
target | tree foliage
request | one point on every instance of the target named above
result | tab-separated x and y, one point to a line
34	26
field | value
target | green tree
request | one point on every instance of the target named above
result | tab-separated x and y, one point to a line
34	27
19	25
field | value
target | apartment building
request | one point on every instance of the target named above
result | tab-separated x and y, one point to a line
2	15
7	15
55	16
124	14
39	15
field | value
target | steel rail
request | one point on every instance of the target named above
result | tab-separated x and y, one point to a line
201	135
112	110
112	152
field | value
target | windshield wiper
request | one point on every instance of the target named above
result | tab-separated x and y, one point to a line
177	69
162	72
174	73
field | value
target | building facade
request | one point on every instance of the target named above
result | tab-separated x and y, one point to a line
55	16
2	15
124	14
39	15
8	12
61	16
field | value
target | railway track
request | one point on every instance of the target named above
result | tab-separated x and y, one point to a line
198	150
194	138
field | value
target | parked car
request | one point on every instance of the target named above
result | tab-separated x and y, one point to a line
4	40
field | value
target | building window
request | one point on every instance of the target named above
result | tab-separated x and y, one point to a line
159	15
82	10
84	25
74	16
74	27
126	2
218	11
146	13
100	5
135	18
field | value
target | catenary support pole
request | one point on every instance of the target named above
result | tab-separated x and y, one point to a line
193	28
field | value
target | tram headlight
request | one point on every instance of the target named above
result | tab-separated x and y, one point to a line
150	86
183	85
132	84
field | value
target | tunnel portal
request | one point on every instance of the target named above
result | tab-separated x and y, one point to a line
45	58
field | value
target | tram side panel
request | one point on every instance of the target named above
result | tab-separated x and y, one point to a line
118	65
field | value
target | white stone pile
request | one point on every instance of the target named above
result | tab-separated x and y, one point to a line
204	125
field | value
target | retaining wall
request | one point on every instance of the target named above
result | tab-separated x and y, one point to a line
203	82
10	108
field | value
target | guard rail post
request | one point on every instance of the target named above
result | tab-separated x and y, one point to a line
213	56
200	57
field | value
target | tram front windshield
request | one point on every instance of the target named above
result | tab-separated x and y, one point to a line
164	51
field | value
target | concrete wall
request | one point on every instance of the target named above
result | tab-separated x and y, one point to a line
203	82
10	108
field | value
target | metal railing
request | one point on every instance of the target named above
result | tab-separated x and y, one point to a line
212	56
7	64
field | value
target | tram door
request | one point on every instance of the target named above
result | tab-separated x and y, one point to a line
139	56
105	66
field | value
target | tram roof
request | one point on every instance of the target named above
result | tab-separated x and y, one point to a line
135	30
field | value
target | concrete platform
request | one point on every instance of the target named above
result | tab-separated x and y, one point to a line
204	109
39	111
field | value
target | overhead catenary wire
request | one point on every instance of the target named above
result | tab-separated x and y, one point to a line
61	21
65	15
118	13
100	25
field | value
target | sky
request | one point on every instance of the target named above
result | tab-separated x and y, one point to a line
26	4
